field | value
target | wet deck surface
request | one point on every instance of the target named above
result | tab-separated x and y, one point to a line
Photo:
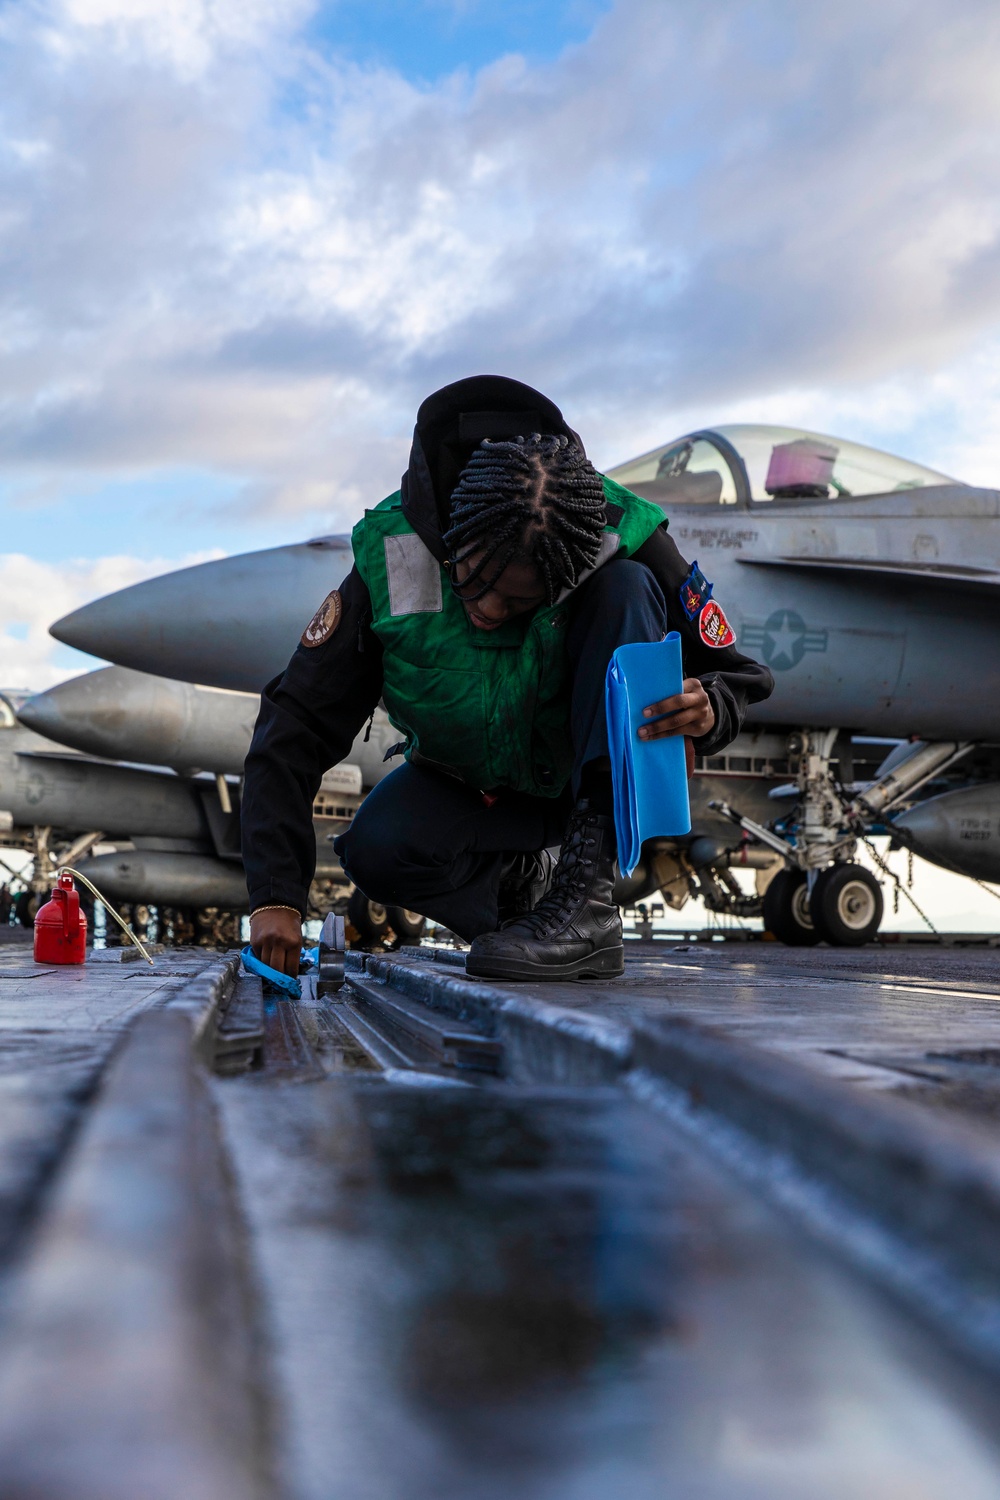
358	1273
571	1305
58	1027
897	1018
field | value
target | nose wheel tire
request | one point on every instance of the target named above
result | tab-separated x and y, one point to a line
26	908
407	925
786	910
368	918
846	905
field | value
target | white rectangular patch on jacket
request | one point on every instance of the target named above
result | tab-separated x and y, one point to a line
414	576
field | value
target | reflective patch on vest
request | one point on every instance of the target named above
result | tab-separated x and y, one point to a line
324	622
610	542
414	576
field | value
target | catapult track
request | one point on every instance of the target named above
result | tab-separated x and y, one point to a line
728	1226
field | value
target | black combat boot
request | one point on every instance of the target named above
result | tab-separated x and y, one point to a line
525	879
575	931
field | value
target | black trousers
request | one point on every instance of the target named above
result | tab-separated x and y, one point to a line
425	841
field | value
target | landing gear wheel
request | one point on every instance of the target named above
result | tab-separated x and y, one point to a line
846	905
26	908
368	918
785	910
407	925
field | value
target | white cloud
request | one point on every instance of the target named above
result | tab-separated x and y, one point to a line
219	248
187	35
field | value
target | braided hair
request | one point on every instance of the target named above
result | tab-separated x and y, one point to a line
535	498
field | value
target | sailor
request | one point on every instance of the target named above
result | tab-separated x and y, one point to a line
486	599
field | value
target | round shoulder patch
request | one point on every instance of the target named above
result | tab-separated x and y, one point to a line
324	622
714	628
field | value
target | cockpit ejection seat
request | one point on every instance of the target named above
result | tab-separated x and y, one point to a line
801	470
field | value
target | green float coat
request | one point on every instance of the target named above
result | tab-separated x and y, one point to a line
491	706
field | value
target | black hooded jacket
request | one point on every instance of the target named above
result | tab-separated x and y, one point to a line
311	714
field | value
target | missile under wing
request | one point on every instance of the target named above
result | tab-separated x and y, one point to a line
959	829
164	877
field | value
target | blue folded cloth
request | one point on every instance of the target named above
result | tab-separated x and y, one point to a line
650	776
287	983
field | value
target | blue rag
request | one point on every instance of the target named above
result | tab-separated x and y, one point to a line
287	983
650	776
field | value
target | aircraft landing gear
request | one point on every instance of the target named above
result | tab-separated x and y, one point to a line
369	919
845	905
26	907
376	924
407	925
819	839
787	912
823	894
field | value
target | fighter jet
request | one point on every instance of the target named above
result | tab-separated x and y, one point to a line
869	586
176	838
120	714
57	805
867	583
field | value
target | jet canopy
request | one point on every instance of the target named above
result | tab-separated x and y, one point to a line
10	701
742	463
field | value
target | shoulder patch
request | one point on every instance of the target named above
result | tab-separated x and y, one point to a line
325	621
714	628
695	592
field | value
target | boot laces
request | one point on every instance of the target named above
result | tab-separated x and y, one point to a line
569	882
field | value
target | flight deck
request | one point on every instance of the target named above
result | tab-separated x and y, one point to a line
726	1227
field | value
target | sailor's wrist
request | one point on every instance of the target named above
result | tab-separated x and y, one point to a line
719	735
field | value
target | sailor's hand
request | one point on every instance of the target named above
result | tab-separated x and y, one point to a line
276	938
689	712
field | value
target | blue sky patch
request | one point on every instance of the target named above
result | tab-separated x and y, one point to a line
141	516
428	39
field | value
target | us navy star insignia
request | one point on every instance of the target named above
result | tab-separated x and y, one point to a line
783	639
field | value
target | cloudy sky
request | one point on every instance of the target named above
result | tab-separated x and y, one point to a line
241	239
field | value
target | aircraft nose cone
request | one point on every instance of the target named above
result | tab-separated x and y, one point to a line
233	623
94	628
87	713
41	715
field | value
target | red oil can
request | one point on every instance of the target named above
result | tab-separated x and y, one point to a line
61	927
